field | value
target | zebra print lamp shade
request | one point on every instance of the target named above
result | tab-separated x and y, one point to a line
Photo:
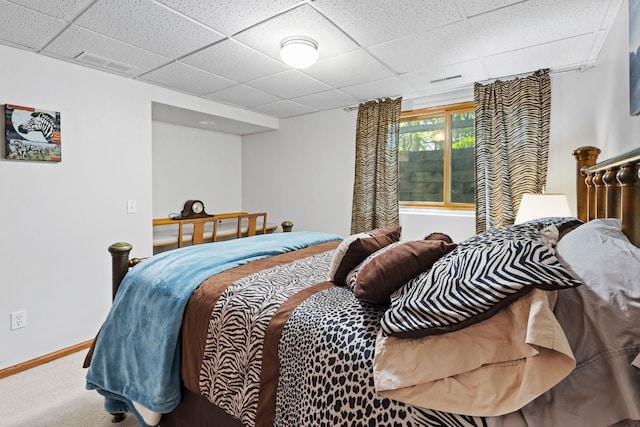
534	206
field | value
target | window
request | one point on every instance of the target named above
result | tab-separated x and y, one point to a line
436	157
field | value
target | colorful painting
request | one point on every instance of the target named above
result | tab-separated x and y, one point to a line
634	56
32	134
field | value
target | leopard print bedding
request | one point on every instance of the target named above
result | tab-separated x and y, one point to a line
326	369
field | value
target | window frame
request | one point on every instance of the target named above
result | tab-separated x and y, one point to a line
447	111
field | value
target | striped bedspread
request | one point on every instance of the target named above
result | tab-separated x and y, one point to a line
282	346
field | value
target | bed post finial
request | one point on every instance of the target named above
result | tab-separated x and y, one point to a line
287	226
119	264
585	156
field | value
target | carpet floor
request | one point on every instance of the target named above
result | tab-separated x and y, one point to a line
54	395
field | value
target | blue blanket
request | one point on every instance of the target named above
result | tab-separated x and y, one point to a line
137	353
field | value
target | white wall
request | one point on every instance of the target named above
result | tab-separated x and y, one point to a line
57	220
617	131
572	126
303	172
192	163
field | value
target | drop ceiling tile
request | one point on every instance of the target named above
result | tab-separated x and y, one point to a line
148	25
392	87
187	79
477	7
27	28
230	17
282	109
75	40
289	84
301	21
529	23
362	68
242	96
562	53
368	48
444	45
326	100
234	61
443	78
62	9
373	22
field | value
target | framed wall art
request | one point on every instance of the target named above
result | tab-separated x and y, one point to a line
32	134
634	56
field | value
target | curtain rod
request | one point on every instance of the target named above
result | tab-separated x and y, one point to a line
355	107
581	68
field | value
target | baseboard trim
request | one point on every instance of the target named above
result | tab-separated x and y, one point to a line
29	364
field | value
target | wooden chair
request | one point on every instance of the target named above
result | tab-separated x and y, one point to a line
197	235
252	224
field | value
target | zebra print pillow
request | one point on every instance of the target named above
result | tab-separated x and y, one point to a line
474	281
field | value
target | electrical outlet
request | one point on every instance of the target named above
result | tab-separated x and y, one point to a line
18	319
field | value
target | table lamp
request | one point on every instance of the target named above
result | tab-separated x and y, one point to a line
534	206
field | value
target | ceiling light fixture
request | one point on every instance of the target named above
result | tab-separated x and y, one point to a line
299	52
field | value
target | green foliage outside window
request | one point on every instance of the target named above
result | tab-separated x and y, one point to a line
433	170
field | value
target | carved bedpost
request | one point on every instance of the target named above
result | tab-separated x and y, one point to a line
585	156
287	226
629	178
601	201
119	264
119	267
612	193
590	197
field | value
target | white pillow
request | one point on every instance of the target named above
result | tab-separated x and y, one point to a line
601	255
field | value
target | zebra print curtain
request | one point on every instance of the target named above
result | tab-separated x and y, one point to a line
512	145
375	188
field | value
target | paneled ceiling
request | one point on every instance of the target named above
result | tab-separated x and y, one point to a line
228	50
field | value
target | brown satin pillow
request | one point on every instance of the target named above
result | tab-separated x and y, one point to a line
567	227
386	273
439	236
354	249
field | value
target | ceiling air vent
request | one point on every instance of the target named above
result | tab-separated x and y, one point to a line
444	79
106	63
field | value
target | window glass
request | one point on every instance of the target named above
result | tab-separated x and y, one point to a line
436	157
462	158
421	160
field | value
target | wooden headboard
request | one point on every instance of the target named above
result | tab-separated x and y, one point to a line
609	189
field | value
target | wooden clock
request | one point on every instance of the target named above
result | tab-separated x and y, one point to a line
193	209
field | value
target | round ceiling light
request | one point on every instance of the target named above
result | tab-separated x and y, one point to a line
299	52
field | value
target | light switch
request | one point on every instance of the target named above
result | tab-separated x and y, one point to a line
131	207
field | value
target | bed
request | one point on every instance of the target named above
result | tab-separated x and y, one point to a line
529	325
